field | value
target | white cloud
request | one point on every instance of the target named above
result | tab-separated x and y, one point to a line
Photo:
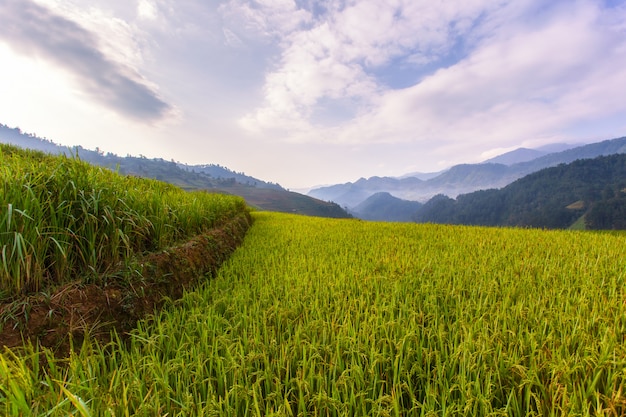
374	32
231	39
264	18
146	10
336	57
525	79
356	83
118	38
41	32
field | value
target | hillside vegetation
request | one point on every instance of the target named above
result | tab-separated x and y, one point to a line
313	317
552	198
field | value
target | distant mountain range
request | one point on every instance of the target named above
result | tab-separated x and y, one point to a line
465	178
587	193
257	193
464	194
385	207
525	154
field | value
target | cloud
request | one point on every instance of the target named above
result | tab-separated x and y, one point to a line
146	10
525	71
264	18
337	56
231	39
513	87
35	30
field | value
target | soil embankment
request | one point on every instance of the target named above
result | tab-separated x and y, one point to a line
64	316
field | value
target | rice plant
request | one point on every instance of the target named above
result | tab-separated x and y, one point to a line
321	317
63	219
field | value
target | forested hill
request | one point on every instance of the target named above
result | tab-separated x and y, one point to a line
592	191
257	193
185	176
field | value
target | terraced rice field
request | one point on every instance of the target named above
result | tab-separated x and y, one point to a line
321	317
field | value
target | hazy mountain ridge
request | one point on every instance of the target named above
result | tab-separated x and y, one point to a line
258	193
376	198
526	154
15	136
516	156
220	172
464	178
207	175
593	150
385	207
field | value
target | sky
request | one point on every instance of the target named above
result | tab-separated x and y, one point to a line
312	92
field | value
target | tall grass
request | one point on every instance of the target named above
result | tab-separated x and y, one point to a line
61	218
319	317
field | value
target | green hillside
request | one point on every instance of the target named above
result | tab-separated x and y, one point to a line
280	200
328	317
554	198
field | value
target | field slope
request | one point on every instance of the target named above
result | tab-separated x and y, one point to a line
84	249
327	317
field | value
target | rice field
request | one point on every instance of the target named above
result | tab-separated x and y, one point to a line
323	317
62	219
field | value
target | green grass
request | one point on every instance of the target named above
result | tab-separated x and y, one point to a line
321	317
579	224
62	219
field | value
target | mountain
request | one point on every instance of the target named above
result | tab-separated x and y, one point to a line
220	172
589	190
606	147
422	175
385	207
525	154
467	176
257	193
464	178
516	156
351	194
558	147
272	199
15	136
